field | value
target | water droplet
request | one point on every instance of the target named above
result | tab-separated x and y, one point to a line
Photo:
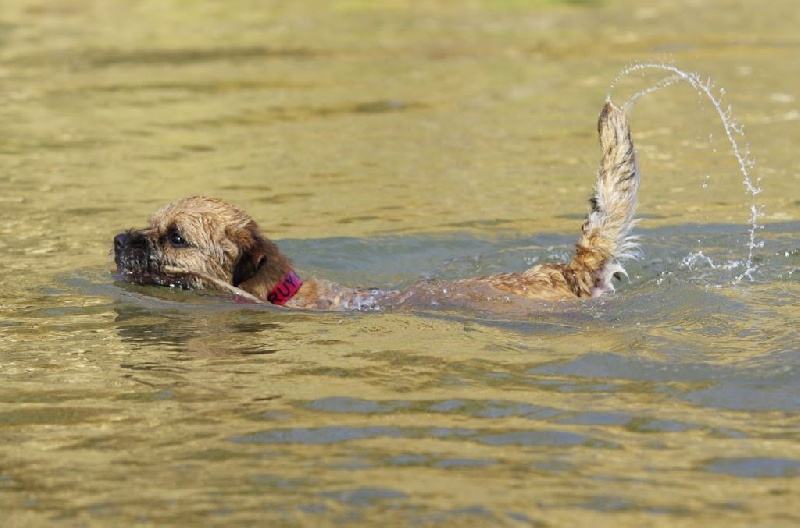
732	129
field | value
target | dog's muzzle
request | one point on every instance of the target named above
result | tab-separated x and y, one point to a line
137	262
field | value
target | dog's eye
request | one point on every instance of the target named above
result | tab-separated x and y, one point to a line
177	240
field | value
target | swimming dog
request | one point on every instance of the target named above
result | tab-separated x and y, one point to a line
206	243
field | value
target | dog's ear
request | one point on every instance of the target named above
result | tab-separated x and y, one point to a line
252	254
260	265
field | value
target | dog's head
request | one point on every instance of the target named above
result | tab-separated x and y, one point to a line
200	236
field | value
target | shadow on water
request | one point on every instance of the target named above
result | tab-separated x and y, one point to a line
106	58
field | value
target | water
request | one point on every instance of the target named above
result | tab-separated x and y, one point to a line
379	145
733	130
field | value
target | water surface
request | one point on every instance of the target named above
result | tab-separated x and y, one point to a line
381	143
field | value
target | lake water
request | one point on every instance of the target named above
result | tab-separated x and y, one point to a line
379	143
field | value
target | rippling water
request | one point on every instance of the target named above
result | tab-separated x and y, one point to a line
380	145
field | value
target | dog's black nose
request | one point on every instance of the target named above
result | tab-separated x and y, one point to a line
121	241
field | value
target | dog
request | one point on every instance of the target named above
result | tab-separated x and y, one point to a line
206	243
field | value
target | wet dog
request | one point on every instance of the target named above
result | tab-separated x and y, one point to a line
205	243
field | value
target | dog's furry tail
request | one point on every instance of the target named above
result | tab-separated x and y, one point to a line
605	240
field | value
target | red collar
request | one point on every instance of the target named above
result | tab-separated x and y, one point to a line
285	289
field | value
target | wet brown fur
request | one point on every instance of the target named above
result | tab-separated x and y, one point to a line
201	242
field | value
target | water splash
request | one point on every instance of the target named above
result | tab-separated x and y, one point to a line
733	130
690	261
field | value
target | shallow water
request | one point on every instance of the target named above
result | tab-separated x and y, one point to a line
378	146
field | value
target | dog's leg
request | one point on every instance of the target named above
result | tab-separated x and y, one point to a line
605	240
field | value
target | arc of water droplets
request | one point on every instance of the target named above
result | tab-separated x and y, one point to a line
732	129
